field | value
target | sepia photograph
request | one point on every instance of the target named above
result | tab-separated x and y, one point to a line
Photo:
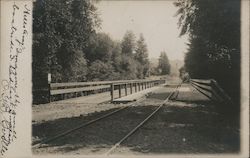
136	77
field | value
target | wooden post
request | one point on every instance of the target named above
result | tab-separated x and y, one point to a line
63	96
49	88
112	91
131	88
139	86
126	90
135	87
120	94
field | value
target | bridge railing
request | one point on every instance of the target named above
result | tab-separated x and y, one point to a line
211	89
130	85
60	91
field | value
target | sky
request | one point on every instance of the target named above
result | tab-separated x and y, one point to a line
154	19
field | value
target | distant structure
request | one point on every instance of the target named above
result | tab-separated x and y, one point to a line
184	75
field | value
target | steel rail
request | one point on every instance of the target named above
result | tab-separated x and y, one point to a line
39	143
141	123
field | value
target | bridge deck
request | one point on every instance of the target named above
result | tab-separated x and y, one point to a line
82	105
135	96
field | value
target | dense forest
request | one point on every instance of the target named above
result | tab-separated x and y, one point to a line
67	44
213	27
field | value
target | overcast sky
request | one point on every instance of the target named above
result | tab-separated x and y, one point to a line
155	20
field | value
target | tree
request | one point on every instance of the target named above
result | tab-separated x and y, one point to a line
100	48
141	51
77	69
164	65
128	67
116	57
213	27
128	43
99	70
61	30
141	56
196	62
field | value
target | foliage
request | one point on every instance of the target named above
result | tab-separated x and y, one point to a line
124	65
65	27
141	55
128	43
164	65
100	48
65	44
213	27
129	67
76	70
116	56
99	70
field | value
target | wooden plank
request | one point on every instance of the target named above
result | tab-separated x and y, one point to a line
221	91
217	96
131	88
112	91
201	81
135	87
72	84
72	90
203	86
126	89
204	92
120	92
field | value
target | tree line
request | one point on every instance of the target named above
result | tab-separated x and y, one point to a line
114	60
213	27
66	44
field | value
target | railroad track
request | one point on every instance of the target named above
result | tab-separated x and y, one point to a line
108	115
39	143
142	122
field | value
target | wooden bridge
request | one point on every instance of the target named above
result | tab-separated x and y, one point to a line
62	91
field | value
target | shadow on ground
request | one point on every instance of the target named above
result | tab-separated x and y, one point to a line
185	129
101	134
184	126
